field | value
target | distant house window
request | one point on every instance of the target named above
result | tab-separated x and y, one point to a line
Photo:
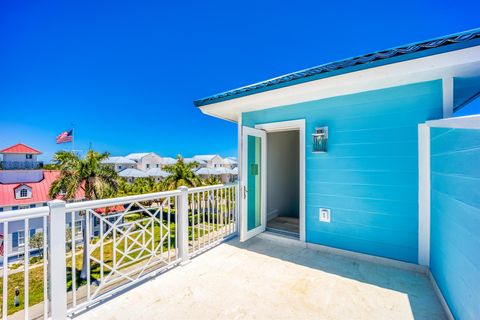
23	207
21	238
148	166
78	228
119	167
158	165
23	193
29	156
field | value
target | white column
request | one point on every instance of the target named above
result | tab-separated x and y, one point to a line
182	225
423	195
447	90
57	260
239	196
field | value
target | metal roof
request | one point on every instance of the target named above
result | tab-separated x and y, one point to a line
132	173
168	161
215	171
205	157
20	148
406	52
157	172
137	156
20	176
40	190
118	160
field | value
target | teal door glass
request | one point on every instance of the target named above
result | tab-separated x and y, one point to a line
254	182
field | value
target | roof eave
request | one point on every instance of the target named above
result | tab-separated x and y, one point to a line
309	74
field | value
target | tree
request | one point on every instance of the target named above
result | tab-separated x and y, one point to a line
181	174
212	180
36	242
88	174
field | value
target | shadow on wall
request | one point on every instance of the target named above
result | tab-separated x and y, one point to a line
423	301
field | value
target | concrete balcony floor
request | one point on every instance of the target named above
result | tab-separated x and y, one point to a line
268	279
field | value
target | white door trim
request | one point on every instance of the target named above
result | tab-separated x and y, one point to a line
245	234
286	126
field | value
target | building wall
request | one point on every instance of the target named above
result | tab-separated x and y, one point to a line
122	166
216	162
18	157
369	176
282	174
149	161
455	218
35	226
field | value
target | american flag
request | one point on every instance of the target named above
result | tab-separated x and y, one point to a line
1	244
64	137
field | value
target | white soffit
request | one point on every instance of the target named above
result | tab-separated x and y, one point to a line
459	63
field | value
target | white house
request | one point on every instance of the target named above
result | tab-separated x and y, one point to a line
230	162
145	161
20	156
209	160
119	163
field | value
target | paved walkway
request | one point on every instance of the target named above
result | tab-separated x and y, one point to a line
265	279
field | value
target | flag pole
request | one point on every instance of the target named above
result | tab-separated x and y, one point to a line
73	139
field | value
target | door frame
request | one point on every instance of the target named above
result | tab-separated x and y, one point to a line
245	234
288	126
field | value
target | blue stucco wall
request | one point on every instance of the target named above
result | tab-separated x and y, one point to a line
455	218
369	177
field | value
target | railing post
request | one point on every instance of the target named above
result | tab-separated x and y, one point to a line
182	225
57	260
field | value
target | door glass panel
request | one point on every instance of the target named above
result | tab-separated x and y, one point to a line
254	183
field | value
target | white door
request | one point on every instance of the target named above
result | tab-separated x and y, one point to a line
253	186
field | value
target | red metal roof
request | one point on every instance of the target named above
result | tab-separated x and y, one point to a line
20	148
108	210
39	191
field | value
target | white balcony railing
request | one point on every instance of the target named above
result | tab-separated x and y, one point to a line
125	241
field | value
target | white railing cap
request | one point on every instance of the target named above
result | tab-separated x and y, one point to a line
14	215
94	204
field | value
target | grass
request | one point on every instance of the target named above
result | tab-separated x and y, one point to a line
36	273
35	281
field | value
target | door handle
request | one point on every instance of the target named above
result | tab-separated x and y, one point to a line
245	192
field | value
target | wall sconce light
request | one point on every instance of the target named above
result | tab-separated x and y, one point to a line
320	138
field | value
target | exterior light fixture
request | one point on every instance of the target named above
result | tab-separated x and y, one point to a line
320	138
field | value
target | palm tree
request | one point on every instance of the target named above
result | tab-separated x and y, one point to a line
144	185
89	175
181	174
212	180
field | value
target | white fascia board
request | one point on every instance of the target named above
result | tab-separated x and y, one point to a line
467	122
464	62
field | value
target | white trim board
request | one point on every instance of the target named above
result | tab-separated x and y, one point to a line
423	195
459	63
286	126
467	122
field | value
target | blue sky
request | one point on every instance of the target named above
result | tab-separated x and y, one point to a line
126	73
